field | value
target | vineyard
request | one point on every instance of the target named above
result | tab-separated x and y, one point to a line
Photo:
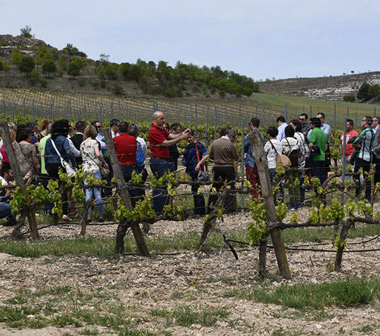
173	291
34	105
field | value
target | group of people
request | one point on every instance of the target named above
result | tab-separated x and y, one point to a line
40	152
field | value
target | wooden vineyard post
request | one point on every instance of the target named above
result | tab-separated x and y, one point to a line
266	188
124	194
28	210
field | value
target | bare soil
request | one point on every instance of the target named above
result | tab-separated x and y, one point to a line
185	279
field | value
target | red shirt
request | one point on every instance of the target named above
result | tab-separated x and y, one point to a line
126	149
349	147
157	135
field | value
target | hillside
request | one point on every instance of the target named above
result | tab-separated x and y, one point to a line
329	88
31	63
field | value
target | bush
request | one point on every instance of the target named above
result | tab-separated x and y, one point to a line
76	65
26	64
49	67
363	92
117	89
26	31
349	98
4	66
16	56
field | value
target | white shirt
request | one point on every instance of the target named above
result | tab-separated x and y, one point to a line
143	146
289	144
272	152
281	131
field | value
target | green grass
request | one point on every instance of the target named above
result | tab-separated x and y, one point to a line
347	293
187	316
104	247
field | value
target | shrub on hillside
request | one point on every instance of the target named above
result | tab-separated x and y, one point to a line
16	56
349	98
49	67
363	92
26	64
4	66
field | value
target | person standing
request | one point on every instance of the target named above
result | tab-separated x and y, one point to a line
376	160
290	148
224	153
194	156
350	133
304	121
250	168
126	150
281	127
365	141
159	140
273	148
92	160
175	128
77	139
317	138
114	125
304	155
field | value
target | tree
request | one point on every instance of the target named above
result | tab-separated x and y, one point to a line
73	69
363	92
49	67
76	65
73	51
26	64
16	56
26	31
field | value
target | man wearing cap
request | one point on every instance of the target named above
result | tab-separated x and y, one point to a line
159	140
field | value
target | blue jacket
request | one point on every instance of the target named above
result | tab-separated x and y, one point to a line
63	147
190	158
249	161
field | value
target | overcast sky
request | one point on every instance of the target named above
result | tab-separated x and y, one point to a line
259	39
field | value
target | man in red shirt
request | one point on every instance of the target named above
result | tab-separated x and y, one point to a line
349	147
126	149
159	140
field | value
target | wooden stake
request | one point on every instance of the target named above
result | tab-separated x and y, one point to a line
29	208
126	198
266	188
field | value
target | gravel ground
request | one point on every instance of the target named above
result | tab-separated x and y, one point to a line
184	279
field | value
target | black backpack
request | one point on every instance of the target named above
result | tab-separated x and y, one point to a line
294	155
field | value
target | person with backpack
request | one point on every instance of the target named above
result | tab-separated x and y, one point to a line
304	154
290	148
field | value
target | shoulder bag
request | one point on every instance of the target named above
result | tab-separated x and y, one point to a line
281	160
202	175
67	165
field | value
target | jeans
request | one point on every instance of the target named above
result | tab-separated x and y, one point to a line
97	193
5	210
160	195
